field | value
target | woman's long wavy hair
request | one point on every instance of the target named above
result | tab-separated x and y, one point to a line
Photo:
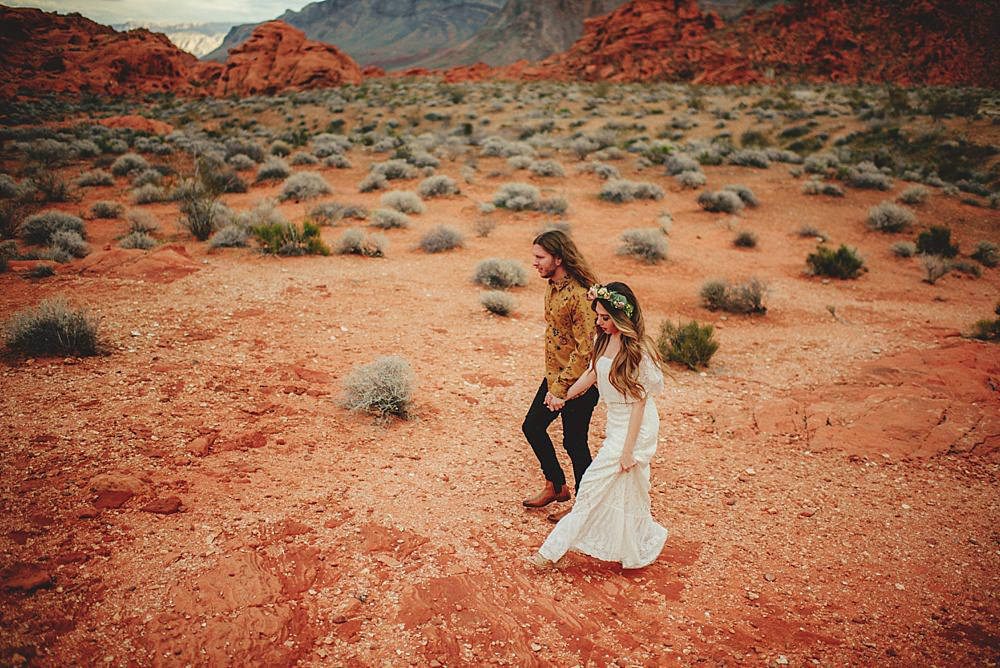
558	244
624	374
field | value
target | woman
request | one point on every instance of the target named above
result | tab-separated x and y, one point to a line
611	518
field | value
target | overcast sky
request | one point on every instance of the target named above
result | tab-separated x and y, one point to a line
162	11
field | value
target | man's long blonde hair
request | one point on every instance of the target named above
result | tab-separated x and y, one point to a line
624	374
558	244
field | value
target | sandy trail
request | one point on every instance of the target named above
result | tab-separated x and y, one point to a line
314	536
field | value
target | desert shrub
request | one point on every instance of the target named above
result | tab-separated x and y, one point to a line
404	201
9	187
842	263
388	219
721	200
868	177
394	169
936	241
355	211
303	186
744	193
107	209
739	298
52	328
622	190
436	186
483	227
147	176
517	197
235	145
647	244
280	148
141	221
914	195
966	267
903	249
273	169
555	206
326	213
303	158
498	302
148	194
749	158
233	235
41	271
691	179
821	188
70	243
337	161
986	329
681	162
745	239
987	254
645	190
691	344
137	240
128	163
935	267
441	238
39	228
289	239
51	187
812	231
499	273
602	171
240	162
889	217
355	242
383	388
373	182
546	168
200	217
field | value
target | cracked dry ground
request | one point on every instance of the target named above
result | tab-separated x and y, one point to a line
802	529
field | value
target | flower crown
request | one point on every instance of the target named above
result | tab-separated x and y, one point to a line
616	299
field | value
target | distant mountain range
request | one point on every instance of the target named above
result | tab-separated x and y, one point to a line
198	39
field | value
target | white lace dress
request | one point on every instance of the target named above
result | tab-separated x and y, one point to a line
610	519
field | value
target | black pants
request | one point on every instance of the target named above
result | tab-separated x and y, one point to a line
576	425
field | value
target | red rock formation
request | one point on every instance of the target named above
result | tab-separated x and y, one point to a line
52	53
278	57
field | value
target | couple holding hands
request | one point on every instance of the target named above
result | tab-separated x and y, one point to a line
595	347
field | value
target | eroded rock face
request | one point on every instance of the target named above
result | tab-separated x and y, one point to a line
278	57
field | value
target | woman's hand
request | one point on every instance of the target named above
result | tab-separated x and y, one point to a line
627	462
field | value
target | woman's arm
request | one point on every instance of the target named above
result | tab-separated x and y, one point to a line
634	421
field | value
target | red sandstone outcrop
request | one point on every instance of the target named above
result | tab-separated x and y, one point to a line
278	57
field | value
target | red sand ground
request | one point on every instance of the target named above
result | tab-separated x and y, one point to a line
304	533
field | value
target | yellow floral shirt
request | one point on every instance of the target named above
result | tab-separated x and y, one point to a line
569	334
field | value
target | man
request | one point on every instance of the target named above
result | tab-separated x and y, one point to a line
569	340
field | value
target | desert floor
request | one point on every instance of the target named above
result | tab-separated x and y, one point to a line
829	481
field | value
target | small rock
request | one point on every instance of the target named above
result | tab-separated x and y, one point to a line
167	506
535	647
752	595
769	577
782	660
26	577
111	499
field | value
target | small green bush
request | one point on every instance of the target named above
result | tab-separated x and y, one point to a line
691	344
647	244
107	209
39	228
741	298
441	238
498	302
986	254
889	217
750	158
986	329
289	239
936	241
722	200
137	240
200	217
41	271
355	242
500	273
745	239
383	388
52	328
843	263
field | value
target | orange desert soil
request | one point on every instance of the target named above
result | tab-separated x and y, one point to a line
200	497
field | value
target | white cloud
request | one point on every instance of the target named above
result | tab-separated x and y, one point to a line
161	11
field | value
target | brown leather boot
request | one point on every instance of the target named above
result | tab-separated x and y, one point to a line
547	496
554	517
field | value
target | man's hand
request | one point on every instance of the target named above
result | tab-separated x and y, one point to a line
553	402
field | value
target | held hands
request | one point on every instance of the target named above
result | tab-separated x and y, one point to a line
627	462
553	402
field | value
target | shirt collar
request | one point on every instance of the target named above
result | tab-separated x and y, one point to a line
559	285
